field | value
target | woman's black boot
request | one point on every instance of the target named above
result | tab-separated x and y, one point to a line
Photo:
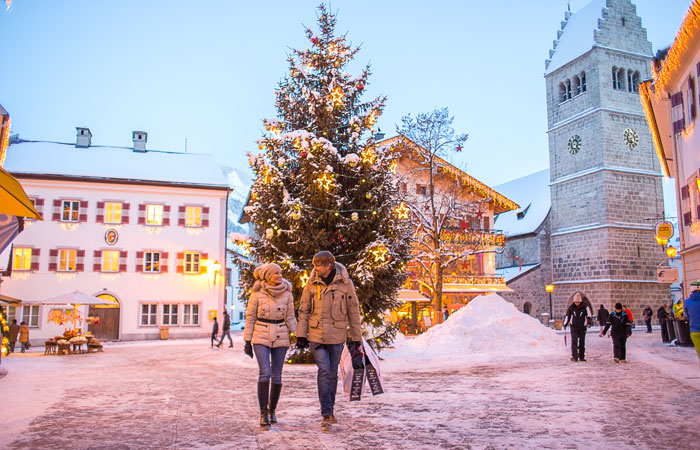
263	397
275	390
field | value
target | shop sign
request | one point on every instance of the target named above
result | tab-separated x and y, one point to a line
667	275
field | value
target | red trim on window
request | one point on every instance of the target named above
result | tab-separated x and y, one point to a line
53	252
97	267
142	221
166	221
205	222
53	267
181	222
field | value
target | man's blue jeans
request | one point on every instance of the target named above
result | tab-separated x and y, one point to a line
270	362
327	358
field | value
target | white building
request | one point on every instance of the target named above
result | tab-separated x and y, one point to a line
144	229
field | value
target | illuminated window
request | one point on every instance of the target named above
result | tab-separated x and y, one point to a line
148	314
113	212
70	211
154	214
22	258
191	262
193	216
170	314
151	262
190	314
30	315
66	260
110	260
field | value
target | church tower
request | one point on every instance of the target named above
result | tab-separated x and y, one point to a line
605	178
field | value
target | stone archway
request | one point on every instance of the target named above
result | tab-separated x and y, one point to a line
107	326
527	308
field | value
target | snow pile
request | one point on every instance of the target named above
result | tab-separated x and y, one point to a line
487	326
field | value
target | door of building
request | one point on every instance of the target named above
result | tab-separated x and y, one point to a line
107	319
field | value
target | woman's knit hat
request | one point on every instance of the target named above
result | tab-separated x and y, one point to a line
264	272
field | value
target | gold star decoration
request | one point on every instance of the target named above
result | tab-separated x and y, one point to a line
337	96
379	253
325	181
402	211
392	166
304	278
368	156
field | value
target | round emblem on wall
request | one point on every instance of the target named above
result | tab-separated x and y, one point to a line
574	144
111	236
631	138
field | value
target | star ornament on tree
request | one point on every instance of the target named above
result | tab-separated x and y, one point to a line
379	254
402	211
459	148
304	278
325	181
368	156
337	96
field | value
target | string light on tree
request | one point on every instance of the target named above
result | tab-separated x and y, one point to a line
354	216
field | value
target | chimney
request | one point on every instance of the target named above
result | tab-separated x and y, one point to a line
83	137
378	136
140	138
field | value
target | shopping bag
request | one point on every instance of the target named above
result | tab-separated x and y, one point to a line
372	370
352	371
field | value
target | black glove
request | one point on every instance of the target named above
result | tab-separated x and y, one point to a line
302	343
248	349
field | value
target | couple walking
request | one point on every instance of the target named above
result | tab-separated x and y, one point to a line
328	306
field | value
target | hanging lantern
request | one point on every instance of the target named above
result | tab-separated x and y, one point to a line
354	216
368	195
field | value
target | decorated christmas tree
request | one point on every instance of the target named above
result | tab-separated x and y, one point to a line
321	183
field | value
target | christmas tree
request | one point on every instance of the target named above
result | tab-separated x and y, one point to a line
321	183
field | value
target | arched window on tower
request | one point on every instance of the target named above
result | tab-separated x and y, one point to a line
621	78
562	93
568	89
633	80
583	81
577	85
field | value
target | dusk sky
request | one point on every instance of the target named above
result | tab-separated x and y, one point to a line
206	71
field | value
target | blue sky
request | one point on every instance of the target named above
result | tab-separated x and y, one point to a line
205	71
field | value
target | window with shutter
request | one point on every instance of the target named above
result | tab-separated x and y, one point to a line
686	219
22	258
677	114
685	192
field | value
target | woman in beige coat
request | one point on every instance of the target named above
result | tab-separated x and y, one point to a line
269	320
23	335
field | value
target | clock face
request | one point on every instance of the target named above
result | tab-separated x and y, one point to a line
631	138
574	144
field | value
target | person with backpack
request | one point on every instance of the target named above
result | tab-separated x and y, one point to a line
619	322
577	316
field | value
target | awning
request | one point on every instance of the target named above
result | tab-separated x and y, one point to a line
71	298
9	300
410	295
13	199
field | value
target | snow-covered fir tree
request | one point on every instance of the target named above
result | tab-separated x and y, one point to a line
321	184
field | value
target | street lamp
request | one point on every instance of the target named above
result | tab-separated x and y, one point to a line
550	288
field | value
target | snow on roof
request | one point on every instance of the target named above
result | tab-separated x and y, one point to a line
578	37
508	273
102	162
532	193
487	325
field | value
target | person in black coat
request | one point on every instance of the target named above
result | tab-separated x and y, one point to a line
577	316
226	330
648	314
662	315
602	315
619	321
214	331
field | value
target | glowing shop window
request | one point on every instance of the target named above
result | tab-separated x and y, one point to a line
154	214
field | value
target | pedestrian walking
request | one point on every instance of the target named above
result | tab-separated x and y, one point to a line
446	313
14	332
662	315
692	311
226	330
269	319
577	316
23	335
619	321
328	307
648	314
602	315
214	331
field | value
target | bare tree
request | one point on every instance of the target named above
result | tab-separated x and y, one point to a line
443	208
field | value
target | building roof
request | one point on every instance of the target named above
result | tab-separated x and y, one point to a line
501	202
104	163
512	273
577	37
533	195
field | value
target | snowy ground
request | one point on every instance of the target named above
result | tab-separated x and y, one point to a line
182	394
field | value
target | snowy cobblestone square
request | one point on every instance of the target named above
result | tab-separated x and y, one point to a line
182	394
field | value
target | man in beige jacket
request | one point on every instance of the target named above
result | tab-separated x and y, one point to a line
328	306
